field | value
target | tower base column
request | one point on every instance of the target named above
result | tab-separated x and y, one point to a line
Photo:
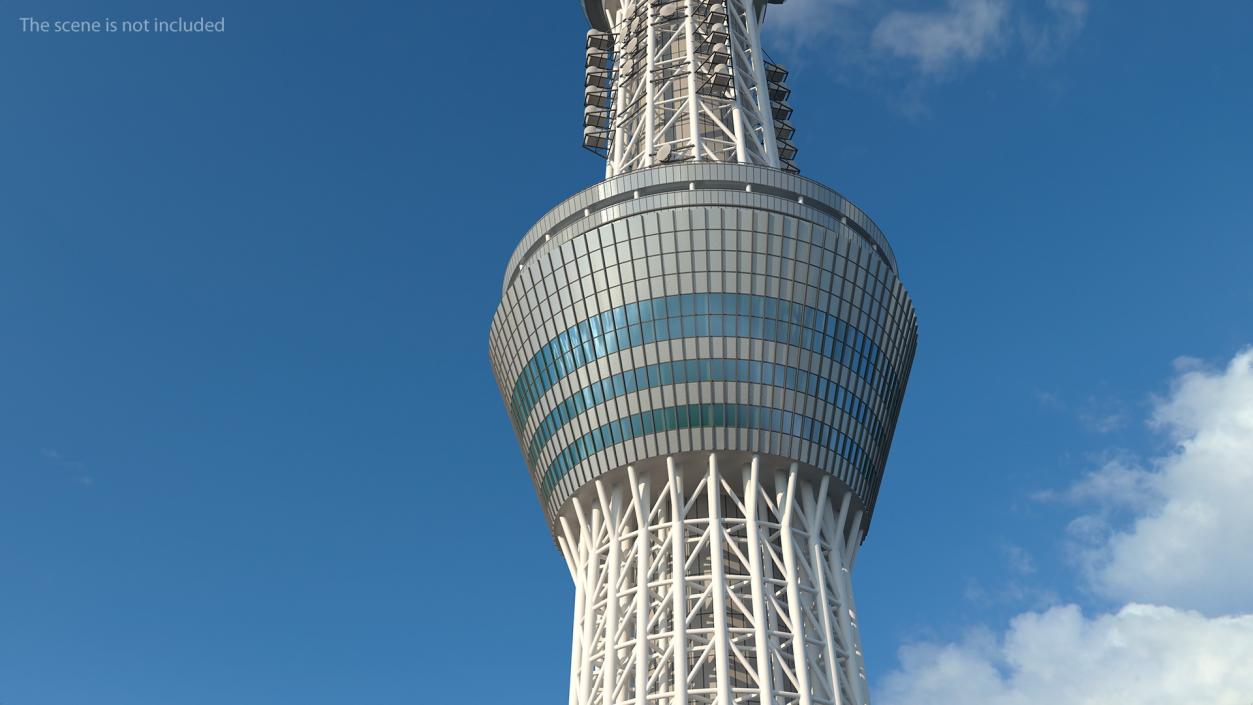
753	605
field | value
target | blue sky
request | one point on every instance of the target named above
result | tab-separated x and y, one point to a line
250	447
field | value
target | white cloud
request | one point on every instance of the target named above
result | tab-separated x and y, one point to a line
1050	400
806	17
1193	545
834	34
1020	560
941	40
1140	654
1019	590
1045	40
877	36
1186	546
1118	484
1102	414
57	459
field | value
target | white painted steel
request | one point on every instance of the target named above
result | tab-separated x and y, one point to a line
688	84
734	591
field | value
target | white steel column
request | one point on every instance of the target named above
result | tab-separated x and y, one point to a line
613	565
813	526
641	500
575	553
761	632
795	615
697	63
678	578
718	586
650	85
710	596
848	633
859	685
613	166
762	89
738	122
693	98
591	578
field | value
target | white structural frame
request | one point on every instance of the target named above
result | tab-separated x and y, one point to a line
702	586
688	83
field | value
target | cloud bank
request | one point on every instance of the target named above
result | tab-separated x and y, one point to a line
1192	543
938	40
1181	562
1140	655
933	41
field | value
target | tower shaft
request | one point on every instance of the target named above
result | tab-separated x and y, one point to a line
685	80
713	581
703	358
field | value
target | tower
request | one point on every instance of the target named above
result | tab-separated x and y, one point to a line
703	357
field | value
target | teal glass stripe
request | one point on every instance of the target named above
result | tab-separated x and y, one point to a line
703	416
689	315
704	370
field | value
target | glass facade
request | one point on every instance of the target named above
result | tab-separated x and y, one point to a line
701	416
691	315
703	308
684	371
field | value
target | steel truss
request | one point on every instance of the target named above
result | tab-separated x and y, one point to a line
685	80
732	589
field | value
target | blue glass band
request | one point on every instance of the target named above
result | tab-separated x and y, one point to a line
704	416
706	370
689	315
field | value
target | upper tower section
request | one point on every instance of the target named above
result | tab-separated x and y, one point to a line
673	81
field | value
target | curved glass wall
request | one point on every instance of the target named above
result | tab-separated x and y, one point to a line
709	315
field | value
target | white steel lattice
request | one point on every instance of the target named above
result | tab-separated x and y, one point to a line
734	589
685	80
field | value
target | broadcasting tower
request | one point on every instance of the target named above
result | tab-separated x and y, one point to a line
703	357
